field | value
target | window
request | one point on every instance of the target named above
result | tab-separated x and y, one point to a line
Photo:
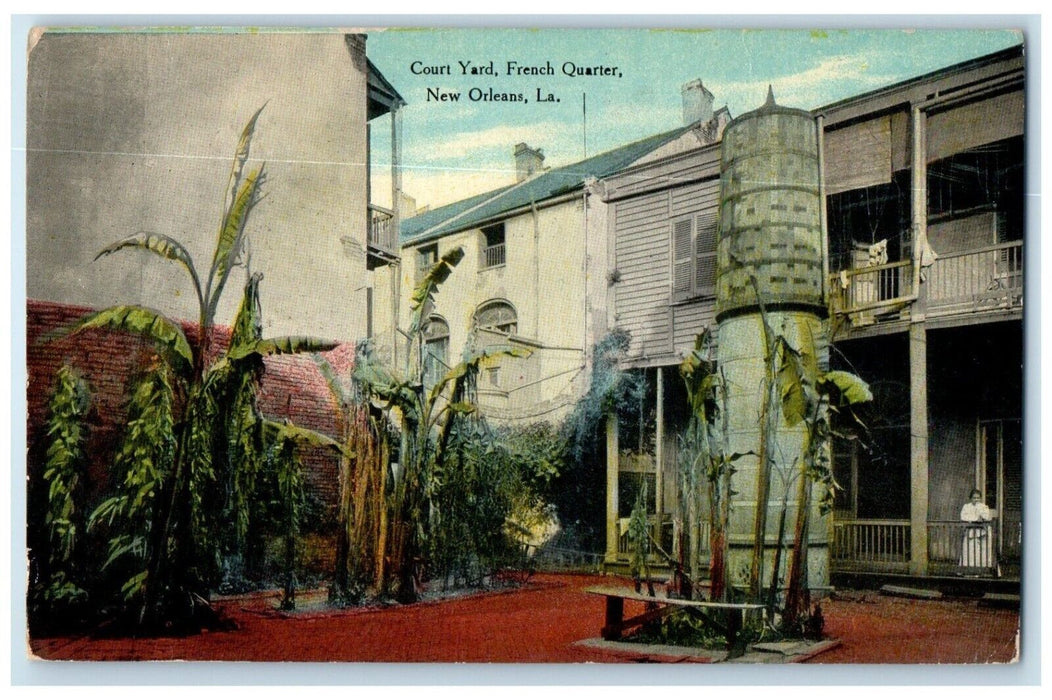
988	177
436	349
426	257
694	241
492	247
866	216
497	316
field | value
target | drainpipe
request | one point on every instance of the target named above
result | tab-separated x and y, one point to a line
822	208
396	196
536	271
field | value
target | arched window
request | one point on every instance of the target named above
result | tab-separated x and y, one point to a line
436	349
497	316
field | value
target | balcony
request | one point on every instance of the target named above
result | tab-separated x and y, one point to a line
982	280
493	256
381	237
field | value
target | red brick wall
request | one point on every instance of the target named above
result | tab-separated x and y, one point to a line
293	388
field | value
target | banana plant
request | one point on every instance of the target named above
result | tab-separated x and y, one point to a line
181	560
815	403
706	454
427	417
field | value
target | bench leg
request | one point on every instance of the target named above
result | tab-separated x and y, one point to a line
615	611
734	626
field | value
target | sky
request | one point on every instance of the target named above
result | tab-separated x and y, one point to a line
455	149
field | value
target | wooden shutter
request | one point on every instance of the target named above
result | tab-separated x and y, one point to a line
705	254
682	259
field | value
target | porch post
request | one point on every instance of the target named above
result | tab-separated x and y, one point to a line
659	454
918	357
918	449
611	486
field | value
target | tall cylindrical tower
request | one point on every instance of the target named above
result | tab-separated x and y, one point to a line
769	265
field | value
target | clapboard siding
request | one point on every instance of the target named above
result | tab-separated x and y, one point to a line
690	319
642	250
696	197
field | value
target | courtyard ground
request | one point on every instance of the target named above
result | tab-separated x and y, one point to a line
540	622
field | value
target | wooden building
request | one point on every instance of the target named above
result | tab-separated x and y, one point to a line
923	191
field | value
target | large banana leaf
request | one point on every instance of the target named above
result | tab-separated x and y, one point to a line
165	246
698	373
475	362
424	292
793	386
853	390
231	235
166	334
336	387
280	431
281	345
244	144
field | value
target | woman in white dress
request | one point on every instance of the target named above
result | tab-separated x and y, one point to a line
976	549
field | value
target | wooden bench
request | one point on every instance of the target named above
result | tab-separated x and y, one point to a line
659	606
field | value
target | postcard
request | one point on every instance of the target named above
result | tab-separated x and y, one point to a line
528	346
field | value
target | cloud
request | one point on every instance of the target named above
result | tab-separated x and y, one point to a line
473	144
437	187
806	89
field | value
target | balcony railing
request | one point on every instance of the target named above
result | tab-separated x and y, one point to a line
867	288
984	279
382	234
874	545
987	278
493	256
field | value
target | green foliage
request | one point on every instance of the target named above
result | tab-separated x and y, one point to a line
66	462
143	467
437	444
190	482
578	493
639	536
166	334
489	498
682	628
289	471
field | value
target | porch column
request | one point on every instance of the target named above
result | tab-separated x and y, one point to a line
918	449
659	453
611	486
918	357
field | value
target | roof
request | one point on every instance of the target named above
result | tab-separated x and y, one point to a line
383	97
469	213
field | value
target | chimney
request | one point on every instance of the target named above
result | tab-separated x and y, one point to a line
527	161
697	103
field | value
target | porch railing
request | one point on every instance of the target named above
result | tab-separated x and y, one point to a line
661	531
959	547
990	277
382	232
882	545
